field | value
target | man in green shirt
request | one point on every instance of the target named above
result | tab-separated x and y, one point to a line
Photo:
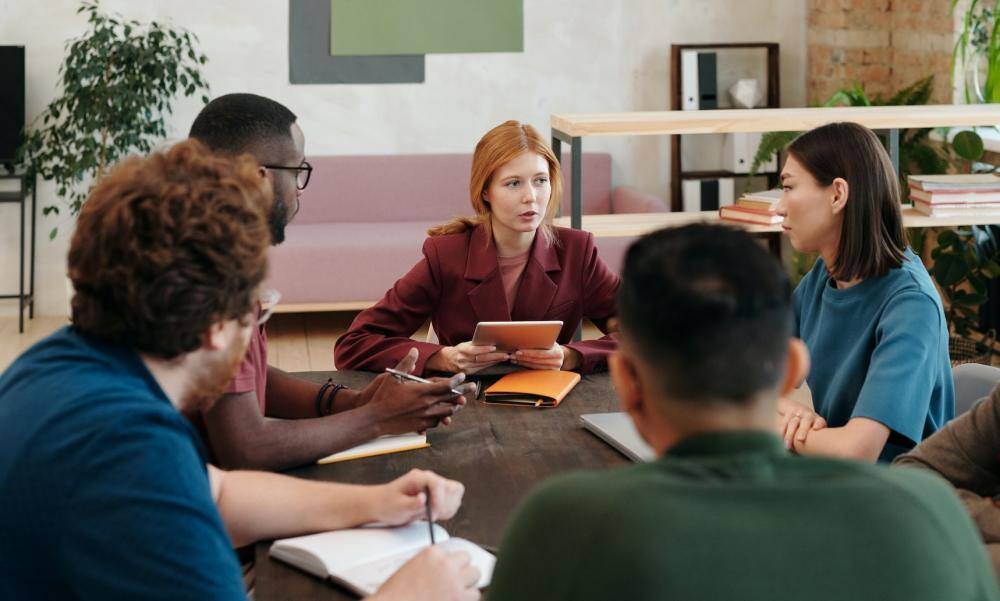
726	512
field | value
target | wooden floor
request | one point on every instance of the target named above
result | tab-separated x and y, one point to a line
13	344
296	341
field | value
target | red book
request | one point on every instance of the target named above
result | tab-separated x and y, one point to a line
748	215
955	196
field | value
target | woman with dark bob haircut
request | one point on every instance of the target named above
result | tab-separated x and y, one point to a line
868	311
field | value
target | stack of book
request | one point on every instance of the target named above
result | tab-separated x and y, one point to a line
955	195
754	207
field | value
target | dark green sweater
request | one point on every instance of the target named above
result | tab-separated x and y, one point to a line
734	516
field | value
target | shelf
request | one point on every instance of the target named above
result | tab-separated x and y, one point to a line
659	123
637	224
722	173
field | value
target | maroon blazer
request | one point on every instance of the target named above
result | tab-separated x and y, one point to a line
457	284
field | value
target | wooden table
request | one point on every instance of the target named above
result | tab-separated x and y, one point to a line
499	453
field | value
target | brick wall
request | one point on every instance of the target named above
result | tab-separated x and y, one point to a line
883	44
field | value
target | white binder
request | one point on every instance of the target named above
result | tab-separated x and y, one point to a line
738	152
689	80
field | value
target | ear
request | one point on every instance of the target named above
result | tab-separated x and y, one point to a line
841	192
626	381
796	366
216	337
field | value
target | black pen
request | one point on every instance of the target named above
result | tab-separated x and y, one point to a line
402	375
427	506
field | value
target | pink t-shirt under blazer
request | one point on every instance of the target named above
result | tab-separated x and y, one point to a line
511	269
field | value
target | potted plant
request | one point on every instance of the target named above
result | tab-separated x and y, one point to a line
978	47
965	259
917	152
118	83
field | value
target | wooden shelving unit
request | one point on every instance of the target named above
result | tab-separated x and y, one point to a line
572	128
638	224
772	99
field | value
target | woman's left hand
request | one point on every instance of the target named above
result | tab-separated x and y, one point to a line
796	422
550	358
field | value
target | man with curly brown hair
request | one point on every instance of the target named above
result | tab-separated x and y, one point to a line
317	420
104	487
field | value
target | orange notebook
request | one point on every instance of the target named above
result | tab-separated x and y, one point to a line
532	388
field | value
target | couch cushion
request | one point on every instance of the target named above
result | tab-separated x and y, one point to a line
349	262
416	187
339	262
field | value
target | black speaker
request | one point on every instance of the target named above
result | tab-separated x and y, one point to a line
11	101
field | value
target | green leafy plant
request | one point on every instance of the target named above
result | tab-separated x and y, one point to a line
118	83
964	260
978	41
917	153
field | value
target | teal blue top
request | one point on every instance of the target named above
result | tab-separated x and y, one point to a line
879	350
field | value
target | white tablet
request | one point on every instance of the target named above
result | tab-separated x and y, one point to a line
514	335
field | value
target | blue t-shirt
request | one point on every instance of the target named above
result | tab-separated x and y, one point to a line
879	350
103	487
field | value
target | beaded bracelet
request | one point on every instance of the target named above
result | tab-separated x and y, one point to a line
319	397
329	397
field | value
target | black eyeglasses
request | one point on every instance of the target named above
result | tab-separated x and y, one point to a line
304	172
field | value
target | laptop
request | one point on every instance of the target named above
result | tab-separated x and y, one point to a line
617	430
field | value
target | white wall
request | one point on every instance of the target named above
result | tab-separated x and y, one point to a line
579	56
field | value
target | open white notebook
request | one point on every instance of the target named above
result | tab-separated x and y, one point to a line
362	559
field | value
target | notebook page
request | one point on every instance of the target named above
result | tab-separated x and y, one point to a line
341	551
370	576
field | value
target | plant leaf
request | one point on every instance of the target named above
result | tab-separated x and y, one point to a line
968	145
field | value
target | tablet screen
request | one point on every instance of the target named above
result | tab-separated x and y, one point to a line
515	335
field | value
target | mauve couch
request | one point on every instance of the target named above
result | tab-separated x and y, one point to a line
362	221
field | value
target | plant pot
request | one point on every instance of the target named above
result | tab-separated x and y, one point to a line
963	350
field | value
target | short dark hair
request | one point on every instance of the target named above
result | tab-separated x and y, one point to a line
167	245
238	123
872	240
710	309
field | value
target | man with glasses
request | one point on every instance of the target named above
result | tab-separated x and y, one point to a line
318	419
103	485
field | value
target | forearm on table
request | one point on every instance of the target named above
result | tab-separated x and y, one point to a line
272	444
289	397
439	362
861	439
591	355
261	506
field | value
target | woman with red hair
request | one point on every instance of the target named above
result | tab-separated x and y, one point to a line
507	262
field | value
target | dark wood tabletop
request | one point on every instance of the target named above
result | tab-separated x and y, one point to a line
499	453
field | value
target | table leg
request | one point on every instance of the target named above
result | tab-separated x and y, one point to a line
34	230
894	149
576	177
20	273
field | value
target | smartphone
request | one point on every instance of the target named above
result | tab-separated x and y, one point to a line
405	376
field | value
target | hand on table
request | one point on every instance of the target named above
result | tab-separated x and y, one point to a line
403	500
400	407
432	575
467	357
796	421
557	357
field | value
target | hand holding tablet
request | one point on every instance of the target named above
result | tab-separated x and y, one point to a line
499	341
513	336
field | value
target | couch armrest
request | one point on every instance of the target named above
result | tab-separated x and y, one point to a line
627	199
